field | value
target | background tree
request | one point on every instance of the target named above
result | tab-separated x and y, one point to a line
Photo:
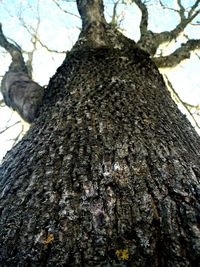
108	174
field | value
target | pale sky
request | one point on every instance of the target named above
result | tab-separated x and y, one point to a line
59	31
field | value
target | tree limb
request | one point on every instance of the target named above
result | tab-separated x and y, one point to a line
150	41
178	55
65	11
114	14
194	7
168	36
15	52
144	18
181	9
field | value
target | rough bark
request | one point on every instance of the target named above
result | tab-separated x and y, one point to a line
108	174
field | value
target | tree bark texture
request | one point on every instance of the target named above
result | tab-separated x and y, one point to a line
108	174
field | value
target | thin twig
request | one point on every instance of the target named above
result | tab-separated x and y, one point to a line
65	11
186	105
10	126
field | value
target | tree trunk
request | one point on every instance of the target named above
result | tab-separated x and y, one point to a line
108	175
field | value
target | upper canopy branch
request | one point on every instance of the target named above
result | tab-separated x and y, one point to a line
151	41
168	36
193	8
114	15
144	18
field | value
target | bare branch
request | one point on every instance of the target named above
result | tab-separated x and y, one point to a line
36	39
29	63
181	10
187	106
49	49
65	11
196	24
116	19
15	52
144	19
151	41
178	55
114	14
197	56
164	6
20	134
10	126
168	36
193	8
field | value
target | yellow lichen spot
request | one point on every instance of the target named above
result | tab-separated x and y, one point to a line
122	254
49	239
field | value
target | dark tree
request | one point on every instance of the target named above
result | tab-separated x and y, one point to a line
108	174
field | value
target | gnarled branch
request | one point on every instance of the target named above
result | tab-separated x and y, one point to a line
19	91
150	41
178	55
